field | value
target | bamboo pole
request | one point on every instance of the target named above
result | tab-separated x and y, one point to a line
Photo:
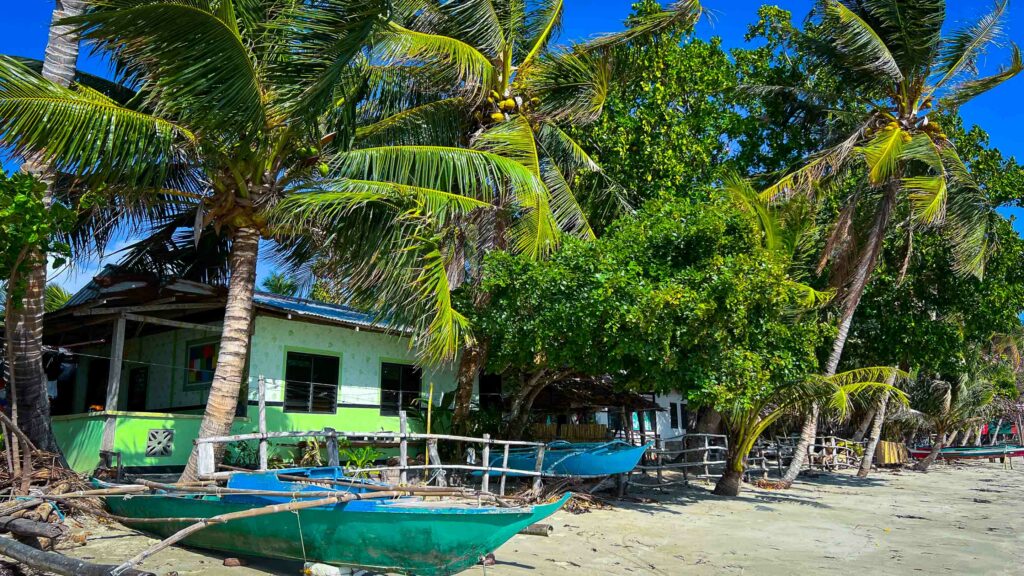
250	513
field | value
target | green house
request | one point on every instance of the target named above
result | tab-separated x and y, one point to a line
131	359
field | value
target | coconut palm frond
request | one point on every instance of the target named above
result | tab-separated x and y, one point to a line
912	30
323	41
960	52
927	196
883	153
84	133
513	140
863	47
475	22
197	66
439	123
970	89
678	16
542	24
473	173
438	55
568	214
571	85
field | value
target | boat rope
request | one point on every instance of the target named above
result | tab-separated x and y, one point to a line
302	541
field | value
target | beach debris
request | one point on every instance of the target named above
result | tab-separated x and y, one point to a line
234	562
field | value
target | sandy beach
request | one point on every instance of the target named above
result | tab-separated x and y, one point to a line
956	519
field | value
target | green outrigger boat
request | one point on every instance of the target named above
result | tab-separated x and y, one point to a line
408	535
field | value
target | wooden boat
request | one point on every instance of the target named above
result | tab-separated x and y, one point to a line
576	459
969	452
407	535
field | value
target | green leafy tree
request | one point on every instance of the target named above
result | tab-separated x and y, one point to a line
664	128
891	57
683	296
30	229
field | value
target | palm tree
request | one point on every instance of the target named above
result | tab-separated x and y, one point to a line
521	95
278	283
234	102
745	421
25	325
892	58
943	407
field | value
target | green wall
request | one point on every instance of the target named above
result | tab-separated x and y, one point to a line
361	353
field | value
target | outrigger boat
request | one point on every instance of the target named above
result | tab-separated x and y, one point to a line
407	534
563	458
969	452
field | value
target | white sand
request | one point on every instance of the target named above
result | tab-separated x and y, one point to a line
952	520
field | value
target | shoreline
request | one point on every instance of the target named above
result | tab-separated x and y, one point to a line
955	519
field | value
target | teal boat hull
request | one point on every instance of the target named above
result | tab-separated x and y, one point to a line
385	536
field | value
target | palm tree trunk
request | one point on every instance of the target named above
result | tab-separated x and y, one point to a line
472	361
876	433
951	440
732	476
923	465
25	334
994	433
865	267
865	423
234	344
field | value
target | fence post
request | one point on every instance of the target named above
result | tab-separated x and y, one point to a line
403	448
485	480
504	465
262	397
704	456
204	459
538	484
333	457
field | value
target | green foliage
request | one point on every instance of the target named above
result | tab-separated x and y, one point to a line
356	458
682	297
279	283
29	229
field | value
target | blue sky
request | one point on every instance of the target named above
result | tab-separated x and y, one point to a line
23	32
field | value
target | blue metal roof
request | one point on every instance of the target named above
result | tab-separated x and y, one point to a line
313	309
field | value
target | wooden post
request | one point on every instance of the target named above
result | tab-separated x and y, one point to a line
262	391
504	465
641	416
704	456
485	480
113	384
403	448
333	457
538	484
205	463
432	451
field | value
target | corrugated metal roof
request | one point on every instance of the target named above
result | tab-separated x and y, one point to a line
333	312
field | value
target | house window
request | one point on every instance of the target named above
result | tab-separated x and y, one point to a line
400	384
311	383
673	413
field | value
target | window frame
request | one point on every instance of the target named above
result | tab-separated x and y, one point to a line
284	388
386	410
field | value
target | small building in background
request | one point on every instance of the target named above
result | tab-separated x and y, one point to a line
139	355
